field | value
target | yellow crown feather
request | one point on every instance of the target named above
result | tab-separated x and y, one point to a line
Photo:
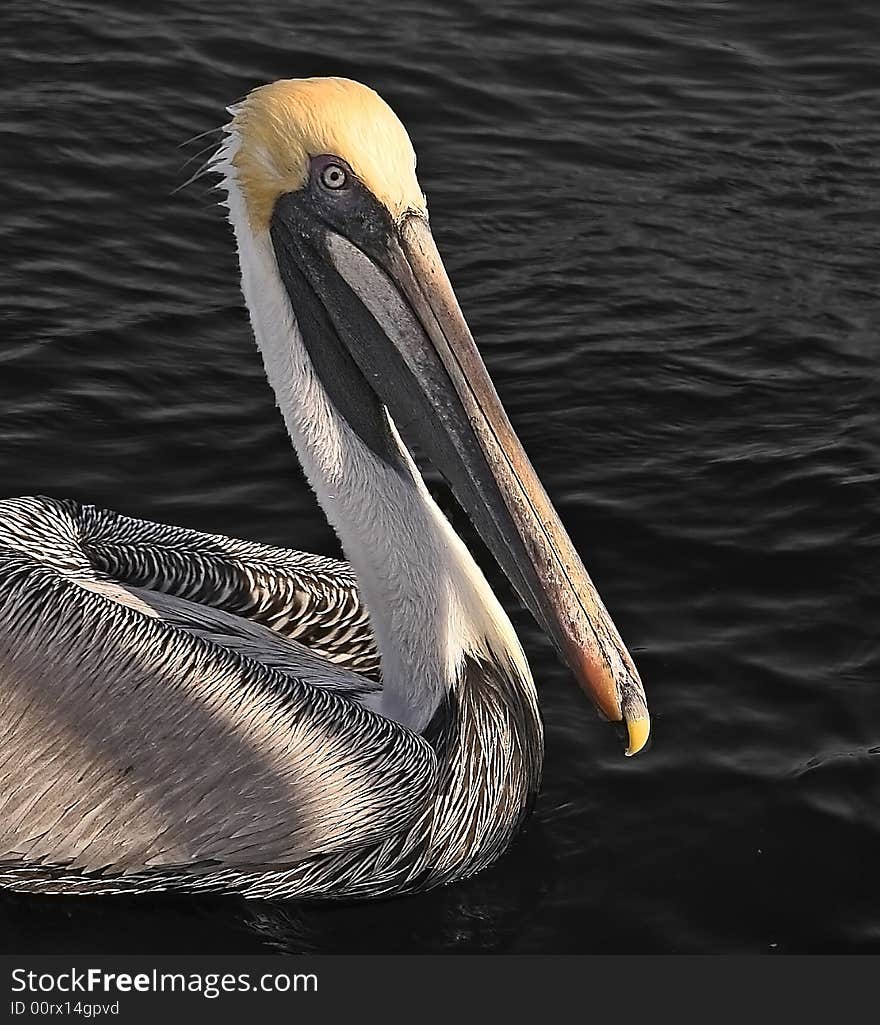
283	125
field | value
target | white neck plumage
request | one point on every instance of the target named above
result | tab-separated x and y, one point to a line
429	603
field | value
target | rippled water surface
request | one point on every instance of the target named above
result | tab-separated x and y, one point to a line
662	221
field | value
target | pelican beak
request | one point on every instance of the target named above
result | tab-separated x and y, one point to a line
389	313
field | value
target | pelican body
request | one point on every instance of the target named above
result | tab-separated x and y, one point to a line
185	711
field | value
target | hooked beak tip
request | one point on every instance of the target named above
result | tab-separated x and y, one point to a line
638	730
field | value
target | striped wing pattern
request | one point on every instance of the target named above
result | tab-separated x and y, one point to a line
155	735
309	598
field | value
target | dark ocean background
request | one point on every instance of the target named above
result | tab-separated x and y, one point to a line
662	220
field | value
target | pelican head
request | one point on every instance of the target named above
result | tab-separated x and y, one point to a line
327	175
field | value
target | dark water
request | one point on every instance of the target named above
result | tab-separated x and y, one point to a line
662	221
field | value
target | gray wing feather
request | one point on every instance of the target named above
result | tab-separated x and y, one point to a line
129	744
305	597
246	637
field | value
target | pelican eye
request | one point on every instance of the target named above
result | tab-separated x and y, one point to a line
333	176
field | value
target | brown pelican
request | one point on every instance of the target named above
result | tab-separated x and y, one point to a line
185	711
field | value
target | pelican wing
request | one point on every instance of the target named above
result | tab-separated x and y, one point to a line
129	744
249	638
308	598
